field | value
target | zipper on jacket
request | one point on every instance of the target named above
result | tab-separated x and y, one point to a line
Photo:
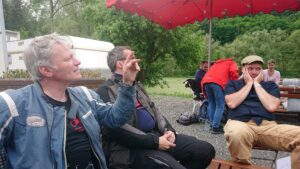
95	154
50	137
91	144
65	139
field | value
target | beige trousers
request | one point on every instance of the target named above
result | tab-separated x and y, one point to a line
240	137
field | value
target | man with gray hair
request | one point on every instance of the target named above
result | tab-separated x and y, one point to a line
147	141
50	125
251	102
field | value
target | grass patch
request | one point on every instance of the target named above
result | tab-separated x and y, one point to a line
174	87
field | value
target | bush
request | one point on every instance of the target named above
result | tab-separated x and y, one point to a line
15	74
90	73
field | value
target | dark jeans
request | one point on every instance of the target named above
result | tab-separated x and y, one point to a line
216	103
189	153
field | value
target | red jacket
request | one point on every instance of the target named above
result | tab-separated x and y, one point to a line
220	72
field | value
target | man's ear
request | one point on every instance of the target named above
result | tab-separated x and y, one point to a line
119	64
45	71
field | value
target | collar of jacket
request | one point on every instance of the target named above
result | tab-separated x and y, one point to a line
74	105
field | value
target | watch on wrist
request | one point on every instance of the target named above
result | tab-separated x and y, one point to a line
257	85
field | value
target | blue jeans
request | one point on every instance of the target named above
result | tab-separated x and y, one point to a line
216	103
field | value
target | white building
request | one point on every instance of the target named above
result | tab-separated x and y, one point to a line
91	53
9	36
12	35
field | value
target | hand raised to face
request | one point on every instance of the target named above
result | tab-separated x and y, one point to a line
259	77
130	69
246	75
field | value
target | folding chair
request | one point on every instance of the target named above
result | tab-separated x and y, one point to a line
197	97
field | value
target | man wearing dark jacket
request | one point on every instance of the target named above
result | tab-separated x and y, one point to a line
147	141
199	76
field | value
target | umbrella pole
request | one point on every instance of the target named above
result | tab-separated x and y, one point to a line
209	38
209	43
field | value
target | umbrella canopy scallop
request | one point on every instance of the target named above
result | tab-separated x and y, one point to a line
173	13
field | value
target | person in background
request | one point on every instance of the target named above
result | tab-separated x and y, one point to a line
147	141
251	102
49	125
203	67
271	74
213	83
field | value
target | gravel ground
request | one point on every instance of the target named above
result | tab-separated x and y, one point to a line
172	107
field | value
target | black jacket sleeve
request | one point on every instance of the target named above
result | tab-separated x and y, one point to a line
134	140
103	93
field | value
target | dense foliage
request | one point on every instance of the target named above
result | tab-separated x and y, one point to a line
226	30
163	52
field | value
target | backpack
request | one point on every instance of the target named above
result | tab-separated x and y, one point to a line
187	118
202	113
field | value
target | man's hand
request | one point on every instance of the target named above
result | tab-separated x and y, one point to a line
130	69
164	143
259	77
246	75
171	138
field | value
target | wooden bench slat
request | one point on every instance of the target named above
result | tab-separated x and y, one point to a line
291	95
290	89
289	92
222	164
214	165
225	166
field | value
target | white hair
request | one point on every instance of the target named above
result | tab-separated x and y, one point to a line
39	53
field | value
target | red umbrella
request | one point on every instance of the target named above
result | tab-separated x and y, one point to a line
173	13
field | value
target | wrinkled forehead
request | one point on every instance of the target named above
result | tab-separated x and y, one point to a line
128	52
254	65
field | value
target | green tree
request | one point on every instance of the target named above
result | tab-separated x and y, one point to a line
290	52
39	17
190	49
274	44
153	44
17	17
227	29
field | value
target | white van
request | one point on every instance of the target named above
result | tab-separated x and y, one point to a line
91	53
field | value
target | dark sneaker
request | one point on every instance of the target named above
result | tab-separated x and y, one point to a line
217	130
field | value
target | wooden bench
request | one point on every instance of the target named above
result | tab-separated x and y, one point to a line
273	160
222	164
281	113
